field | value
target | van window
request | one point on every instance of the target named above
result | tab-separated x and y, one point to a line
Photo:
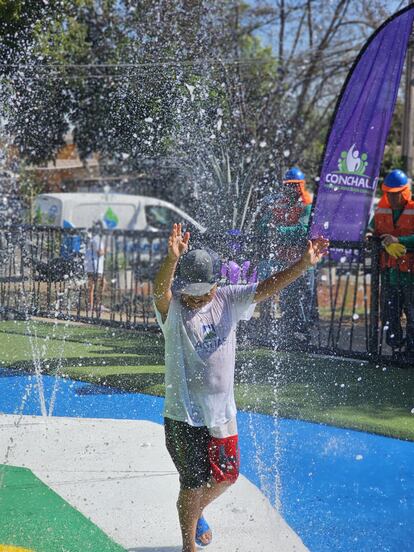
160	217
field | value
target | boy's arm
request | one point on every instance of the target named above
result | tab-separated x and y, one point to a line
177	246
162	285
266	288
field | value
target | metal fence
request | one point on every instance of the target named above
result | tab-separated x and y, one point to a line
106	277
73	274
344	302
346	306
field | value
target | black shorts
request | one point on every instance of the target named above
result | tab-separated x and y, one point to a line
188	448
199	457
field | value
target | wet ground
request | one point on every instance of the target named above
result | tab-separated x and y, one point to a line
339	490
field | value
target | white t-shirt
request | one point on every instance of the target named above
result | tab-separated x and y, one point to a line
200	355
94	255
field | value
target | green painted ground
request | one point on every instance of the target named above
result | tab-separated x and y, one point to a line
338	392
35	517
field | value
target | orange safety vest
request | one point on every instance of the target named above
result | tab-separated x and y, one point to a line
290	217
404	226
287	216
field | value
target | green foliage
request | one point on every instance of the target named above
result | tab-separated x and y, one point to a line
393	151
392	159
30	185
72	81
18	19
10	12
191	82
259	74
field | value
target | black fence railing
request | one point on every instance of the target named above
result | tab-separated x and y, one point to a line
76	275
106	277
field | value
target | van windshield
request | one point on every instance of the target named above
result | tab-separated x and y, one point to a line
160	217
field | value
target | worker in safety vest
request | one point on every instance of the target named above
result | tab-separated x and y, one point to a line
283	225
292	215
394	224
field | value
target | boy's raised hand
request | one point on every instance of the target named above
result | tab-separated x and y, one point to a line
177	242
317	249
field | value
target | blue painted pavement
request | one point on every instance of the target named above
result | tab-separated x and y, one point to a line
340	490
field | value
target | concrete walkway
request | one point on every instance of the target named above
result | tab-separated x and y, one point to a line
118	474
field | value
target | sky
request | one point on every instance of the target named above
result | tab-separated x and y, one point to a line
269	34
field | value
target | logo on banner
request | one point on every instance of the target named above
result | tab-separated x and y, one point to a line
351	163
351	174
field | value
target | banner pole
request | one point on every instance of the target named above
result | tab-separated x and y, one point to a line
407	131
374	315
408	120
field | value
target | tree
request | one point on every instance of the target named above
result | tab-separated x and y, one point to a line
275	109
19	21
200	83
72	79
393	150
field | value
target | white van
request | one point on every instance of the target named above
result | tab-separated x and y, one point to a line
116	211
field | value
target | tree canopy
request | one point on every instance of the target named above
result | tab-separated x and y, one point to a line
231	92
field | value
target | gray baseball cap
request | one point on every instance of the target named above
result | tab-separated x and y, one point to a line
196	275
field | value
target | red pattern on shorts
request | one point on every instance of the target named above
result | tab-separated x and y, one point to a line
224	456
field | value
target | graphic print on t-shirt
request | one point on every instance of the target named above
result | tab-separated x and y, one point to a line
210	341
209	332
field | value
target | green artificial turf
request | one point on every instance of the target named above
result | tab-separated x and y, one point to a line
340	392
35	517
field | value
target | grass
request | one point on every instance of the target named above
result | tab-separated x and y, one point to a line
334	391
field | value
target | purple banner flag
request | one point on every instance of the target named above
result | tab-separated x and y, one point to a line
356	142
